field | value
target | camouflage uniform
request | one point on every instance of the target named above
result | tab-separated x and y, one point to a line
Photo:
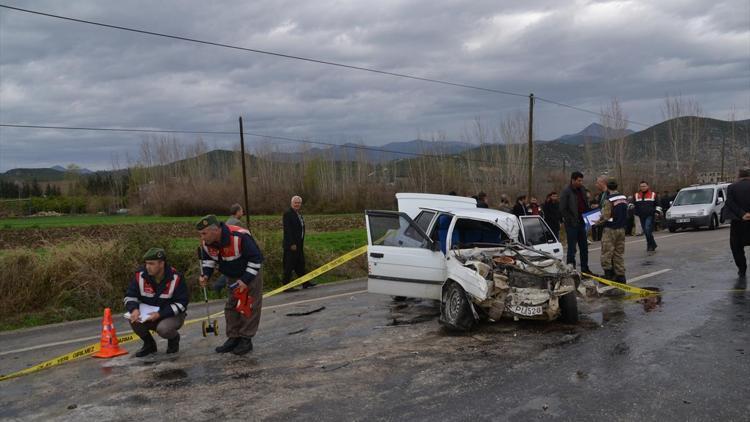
614	216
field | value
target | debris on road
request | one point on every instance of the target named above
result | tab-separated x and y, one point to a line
306	313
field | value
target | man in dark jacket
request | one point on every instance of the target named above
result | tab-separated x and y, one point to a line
646	206
738	206
234	252
160	285
482	200
294	243
573	205
551	211
519	209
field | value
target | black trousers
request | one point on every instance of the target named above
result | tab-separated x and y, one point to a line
739	237
294	261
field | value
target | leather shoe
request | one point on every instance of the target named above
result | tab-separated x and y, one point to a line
228	345
173	345
245	345
148	348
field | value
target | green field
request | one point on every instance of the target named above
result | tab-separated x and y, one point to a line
99	220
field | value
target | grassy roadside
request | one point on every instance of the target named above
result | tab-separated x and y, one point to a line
76	280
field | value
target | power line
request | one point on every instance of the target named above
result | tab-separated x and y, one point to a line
587	111
257	135
270	53
312	60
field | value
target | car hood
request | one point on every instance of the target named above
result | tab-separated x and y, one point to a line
676	210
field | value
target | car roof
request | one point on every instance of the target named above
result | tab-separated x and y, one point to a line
508	222
707	186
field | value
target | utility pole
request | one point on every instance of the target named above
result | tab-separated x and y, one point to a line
531	144
723	141
244	174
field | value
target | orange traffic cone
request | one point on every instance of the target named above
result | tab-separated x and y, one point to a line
109	348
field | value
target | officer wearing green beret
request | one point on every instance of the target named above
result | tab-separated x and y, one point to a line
159	285
233	251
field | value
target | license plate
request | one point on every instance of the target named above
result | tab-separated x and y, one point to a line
683	220
525	310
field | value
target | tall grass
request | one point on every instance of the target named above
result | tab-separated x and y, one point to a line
79	279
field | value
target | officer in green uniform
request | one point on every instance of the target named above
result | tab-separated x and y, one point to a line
614	217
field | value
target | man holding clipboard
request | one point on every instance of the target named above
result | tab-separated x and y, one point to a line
159	290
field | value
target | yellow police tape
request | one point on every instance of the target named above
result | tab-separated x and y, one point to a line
91	349
630	289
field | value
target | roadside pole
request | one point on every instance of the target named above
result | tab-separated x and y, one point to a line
244	174
531	146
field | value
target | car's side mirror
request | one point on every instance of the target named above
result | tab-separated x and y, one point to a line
719	200
436	246
670	203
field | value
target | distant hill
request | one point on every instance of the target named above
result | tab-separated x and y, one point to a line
644	146
376	154
593	133
51	174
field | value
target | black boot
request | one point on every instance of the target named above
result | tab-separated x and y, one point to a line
309	284
228	345
173	344
621	279
149	346
609	275
245	345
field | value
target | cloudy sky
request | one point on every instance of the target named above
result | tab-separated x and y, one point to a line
583	53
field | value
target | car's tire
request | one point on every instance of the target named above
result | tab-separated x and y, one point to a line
455	309
399	298
672	229
714	222
569	308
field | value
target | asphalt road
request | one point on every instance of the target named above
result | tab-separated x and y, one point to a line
364	357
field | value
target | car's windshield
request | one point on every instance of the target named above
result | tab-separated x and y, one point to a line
468	233
694	197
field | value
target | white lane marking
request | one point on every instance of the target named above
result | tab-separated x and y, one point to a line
643	240
77	340
649	275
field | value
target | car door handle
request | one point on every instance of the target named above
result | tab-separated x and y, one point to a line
556	250
376	254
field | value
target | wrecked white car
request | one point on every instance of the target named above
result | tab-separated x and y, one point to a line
479	263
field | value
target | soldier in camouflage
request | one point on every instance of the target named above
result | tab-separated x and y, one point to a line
614	218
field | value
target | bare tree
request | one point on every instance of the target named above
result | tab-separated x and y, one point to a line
615	123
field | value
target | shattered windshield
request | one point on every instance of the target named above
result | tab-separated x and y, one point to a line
694	197
469	233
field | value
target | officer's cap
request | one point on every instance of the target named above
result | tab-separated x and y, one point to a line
209	220
155	254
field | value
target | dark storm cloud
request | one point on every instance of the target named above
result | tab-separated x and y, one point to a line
583	53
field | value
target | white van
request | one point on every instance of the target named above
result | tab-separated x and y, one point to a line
479	263
697	206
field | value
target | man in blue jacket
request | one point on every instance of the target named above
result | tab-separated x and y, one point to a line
234	252
159	285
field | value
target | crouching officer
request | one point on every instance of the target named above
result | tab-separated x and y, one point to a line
234	252
160	285
614	217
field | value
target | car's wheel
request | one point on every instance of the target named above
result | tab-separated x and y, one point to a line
455	310
672	229
714	222
569	308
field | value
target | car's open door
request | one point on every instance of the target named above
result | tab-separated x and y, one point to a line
538	235
401	258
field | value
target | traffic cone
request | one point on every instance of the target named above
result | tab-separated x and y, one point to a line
109	348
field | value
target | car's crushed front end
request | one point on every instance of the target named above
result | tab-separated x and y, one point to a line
520	283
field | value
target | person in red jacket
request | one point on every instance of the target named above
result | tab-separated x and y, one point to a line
646	207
